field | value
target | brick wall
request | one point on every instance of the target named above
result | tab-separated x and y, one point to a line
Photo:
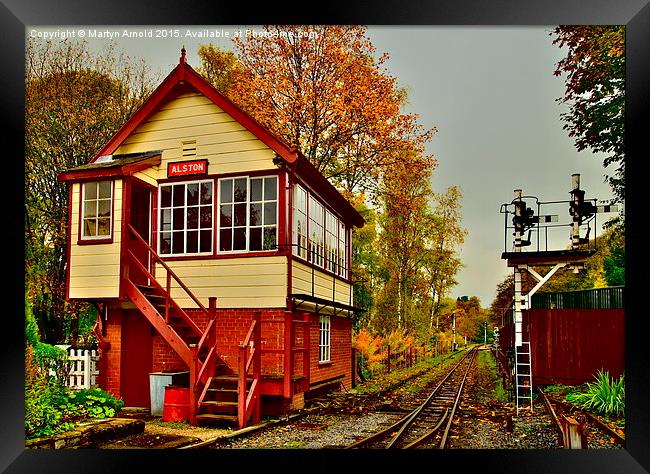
341	351
113	357
232	327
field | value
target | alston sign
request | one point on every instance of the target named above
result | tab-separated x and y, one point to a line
187	168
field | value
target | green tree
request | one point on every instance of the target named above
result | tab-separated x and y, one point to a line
595	92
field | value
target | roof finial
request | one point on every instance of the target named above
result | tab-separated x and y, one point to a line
182	61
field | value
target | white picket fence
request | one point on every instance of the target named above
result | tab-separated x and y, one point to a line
83	368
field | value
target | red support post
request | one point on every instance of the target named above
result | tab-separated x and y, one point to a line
193	389
306	366
288	356
257	367
241	402
212	310
169	296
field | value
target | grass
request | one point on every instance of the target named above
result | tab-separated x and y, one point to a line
606	395
485	359
384	381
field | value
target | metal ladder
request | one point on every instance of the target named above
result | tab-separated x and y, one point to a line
523	376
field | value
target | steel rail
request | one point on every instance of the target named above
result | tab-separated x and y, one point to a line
443	443
591	418
405	422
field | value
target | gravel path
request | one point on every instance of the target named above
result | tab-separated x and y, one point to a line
315	432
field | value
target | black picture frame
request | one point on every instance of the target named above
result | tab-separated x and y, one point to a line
635	14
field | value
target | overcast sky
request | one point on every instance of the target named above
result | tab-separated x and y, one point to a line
490	92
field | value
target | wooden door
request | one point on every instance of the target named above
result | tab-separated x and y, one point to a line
140	219
137	358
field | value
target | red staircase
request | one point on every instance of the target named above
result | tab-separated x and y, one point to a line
216	393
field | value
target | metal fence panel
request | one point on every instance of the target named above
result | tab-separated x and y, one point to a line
594	298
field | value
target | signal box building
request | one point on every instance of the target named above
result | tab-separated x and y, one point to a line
211	247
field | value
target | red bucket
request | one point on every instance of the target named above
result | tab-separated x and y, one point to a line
176	405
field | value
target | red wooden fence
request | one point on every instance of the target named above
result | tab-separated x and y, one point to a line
570	345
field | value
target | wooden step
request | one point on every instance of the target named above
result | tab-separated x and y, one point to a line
215	403
209	417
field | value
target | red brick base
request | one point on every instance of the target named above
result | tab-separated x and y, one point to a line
232	327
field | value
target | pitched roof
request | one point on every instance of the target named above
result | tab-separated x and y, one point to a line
115	165
184	75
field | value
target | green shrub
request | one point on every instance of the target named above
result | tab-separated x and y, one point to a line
32	336
91	403
48	357
605	395
42	417
50	408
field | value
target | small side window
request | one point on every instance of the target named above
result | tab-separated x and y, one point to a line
97	210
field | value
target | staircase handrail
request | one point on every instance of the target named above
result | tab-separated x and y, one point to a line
169	271
249	400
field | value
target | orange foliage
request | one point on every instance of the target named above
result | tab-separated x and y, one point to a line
327	95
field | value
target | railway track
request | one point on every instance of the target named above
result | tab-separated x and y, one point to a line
588	422
430	422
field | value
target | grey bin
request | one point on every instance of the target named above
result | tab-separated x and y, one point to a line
157	383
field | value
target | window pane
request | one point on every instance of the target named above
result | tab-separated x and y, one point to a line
178	243
192	218
165	196
226	190
179	195
165	242
90	227
104	226
90	191
166	219
256	239
225	239
256	189
269	213
206	217
206	193
179	218
192	241
269	238
270	189
105	189
90	208
256	214
192	194
240	190
104	208
239	239
206	241
226	216
240	214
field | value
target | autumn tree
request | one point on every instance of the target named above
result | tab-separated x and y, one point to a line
365	261
74	101
322	90
220	67
595	92
406	222
441	263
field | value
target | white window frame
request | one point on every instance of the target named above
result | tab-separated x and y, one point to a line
160	229
331	242
248	203
96	200
300	215
316	246
336	241
325	339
